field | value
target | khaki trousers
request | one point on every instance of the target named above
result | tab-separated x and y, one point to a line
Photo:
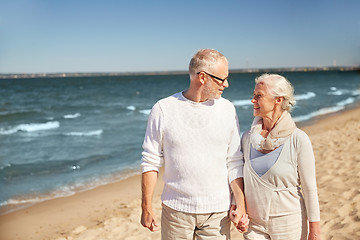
177	225
287	227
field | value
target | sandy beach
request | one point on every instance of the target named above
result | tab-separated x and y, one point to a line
113	211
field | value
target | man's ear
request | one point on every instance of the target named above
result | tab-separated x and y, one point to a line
201	77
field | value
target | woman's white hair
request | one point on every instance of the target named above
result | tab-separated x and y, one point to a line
205	60
279	86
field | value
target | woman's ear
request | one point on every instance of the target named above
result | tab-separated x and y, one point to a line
279	100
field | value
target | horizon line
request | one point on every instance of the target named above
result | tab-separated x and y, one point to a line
175	72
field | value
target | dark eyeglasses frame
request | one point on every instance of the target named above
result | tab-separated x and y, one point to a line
217	78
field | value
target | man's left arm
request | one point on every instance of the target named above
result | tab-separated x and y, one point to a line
235	165
237	212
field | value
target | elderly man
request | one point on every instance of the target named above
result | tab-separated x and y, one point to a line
195	135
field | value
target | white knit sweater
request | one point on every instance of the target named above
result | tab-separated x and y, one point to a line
199	145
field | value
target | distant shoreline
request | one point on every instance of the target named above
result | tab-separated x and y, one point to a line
99	74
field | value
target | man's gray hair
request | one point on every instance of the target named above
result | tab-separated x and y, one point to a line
205	60
279	86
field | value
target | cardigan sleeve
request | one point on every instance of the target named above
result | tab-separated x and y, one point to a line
235	161
152	155
306	169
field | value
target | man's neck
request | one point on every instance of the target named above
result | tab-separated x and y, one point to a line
194	96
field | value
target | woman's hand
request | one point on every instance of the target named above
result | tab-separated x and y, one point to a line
314	233
240	220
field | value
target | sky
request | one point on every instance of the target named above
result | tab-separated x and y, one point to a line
38	36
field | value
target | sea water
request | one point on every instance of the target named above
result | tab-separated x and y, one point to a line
59	136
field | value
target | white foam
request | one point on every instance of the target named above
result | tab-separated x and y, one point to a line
243	102
145	111
339	106
75	167
305	96
21	201
31	127
64	191
356	92
345	102
5	166
131	108
336	93
70	116
85	134
339	92
317	113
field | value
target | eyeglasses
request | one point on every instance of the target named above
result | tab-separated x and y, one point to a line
217	78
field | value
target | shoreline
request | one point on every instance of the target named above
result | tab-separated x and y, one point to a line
114	208
307	123
59	216
26	201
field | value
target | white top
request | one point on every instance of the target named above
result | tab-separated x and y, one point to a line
199	145
278	192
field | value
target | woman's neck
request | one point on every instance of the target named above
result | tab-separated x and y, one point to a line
269	122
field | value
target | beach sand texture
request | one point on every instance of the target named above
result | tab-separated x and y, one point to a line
113	211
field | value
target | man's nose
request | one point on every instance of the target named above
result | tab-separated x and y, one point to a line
226	83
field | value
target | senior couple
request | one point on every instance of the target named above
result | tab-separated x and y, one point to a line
263	182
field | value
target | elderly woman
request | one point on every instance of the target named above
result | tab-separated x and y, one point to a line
279	161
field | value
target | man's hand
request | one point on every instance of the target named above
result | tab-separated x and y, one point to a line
148	220
234	216
238	212
241	221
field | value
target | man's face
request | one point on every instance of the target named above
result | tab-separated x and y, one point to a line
213	87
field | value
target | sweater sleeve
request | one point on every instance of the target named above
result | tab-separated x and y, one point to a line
306	168
152	155
235	161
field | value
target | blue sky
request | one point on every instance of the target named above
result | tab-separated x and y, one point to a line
38	36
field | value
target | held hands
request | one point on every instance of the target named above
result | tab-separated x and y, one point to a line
148	220
240	220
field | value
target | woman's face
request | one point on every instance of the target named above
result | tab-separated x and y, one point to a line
264	103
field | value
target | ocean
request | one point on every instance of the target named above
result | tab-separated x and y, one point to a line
59	136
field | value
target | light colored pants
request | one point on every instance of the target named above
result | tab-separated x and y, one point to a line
287	227
177	225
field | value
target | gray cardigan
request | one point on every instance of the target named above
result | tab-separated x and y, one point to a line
278	192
